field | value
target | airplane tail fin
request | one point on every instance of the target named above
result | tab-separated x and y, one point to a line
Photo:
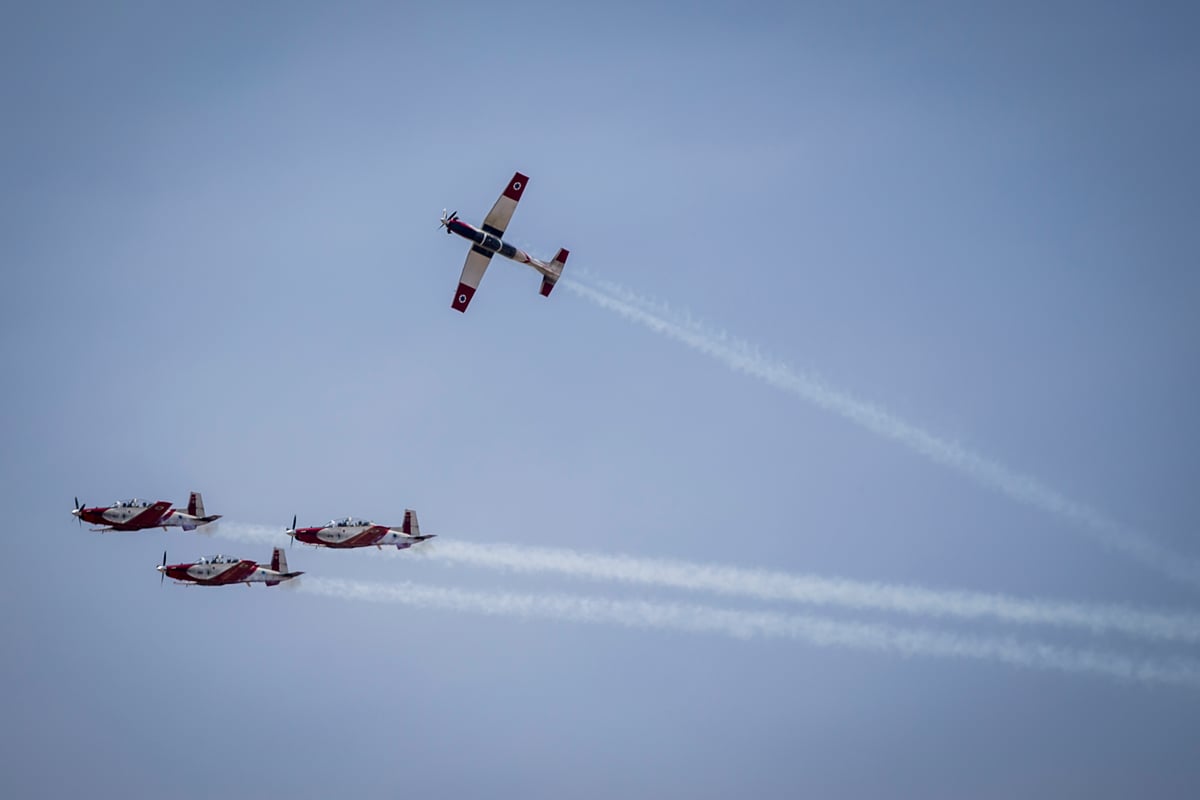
196	505
411	526
279	564
556	268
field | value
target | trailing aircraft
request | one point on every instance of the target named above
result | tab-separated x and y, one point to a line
224	570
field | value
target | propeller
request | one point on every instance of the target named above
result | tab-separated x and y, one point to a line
163	570
78	516
293	530
447	219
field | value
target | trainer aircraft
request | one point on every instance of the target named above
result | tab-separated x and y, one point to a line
224	570
140	515
350	532
487	241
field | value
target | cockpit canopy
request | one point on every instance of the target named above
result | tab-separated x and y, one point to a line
349	522
218	560
133	503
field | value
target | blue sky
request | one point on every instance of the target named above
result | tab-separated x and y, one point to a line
223	273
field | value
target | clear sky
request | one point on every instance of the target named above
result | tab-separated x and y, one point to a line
223	272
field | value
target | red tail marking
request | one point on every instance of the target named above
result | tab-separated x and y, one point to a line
562	255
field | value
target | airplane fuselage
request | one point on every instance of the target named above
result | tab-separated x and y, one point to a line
127	518
347	536
488	244
189	522
224	574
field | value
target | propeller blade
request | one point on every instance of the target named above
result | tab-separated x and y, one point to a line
293	537
163	574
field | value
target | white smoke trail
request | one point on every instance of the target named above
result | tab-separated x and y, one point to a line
746	625
740	356
811	589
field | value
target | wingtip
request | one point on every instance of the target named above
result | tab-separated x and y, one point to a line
462	298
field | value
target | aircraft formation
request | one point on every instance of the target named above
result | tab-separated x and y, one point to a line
349	532
220	570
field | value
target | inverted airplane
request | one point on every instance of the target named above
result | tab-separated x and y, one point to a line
224	570
140	515
349	532
488	241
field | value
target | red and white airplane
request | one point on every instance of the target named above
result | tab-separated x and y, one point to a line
139	515
488	241
223	570
348	532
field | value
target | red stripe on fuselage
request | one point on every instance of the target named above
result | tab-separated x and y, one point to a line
151	517
367	538
235	574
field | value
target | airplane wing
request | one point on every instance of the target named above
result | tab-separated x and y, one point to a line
472	273
497	219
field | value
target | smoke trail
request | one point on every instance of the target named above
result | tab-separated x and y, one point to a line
741	357
773	585
747	625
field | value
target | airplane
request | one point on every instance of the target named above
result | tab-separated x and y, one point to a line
138	515
348	532
224	570
487	242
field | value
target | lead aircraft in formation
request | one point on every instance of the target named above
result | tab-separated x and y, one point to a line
140	515
350	532
224	570
488	240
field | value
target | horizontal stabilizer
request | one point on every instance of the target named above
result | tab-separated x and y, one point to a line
556	268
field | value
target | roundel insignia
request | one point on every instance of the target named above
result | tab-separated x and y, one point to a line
516	186
462	298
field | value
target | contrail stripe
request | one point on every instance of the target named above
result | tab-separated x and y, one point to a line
748	625
742	357
771	585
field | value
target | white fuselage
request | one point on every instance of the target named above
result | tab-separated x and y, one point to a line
223	573
346	536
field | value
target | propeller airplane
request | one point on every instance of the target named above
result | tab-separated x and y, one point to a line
488	241
224	570
139	515
349	532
